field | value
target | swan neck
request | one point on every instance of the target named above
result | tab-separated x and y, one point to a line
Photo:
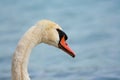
21	56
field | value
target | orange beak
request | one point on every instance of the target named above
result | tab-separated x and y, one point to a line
64	46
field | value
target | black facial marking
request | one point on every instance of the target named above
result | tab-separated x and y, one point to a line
61	34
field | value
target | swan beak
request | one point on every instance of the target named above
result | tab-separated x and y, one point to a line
64	46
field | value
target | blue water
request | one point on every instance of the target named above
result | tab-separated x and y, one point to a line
93	28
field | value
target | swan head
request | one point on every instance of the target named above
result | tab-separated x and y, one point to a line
53	34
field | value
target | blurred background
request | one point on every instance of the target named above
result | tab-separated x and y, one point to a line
93	28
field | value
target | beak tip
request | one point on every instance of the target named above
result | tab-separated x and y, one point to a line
73	55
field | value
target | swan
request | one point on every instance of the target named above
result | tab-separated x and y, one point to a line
45	31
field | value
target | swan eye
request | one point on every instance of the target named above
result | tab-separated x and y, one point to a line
61	34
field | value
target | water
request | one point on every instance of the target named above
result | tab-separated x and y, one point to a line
93	28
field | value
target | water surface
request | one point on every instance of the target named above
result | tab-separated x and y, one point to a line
93	28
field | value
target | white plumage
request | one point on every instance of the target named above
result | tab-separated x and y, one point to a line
42	32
